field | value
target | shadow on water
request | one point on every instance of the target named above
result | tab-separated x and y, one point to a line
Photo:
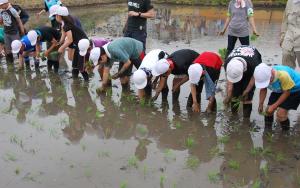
58	132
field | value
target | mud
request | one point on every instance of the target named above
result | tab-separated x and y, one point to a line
56	132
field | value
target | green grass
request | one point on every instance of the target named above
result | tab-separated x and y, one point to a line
235	165
192	162
214	177
190	142
133	162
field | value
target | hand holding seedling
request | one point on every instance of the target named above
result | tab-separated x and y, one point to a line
196	107
245	95
270	110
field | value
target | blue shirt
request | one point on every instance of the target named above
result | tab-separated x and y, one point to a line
286	78
28	47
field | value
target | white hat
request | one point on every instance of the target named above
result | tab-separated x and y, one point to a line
62	11
16	46
83	46
32	37
140	79
195	71
161	67
52	10
95	55
235	70
3	2
262	75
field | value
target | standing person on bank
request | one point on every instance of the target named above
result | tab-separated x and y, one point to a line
13	27
290	34
138	13
48	4
240	14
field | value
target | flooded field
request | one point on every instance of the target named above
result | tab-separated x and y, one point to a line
56	132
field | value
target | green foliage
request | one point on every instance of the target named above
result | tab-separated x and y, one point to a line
162	179
123	184
169	155
223	52
256	184
224	139
190	142
214	177
133	162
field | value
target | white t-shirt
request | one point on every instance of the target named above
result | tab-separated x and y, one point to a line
150	59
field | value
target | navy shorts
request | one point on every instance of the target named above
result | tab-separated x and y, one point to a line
291	103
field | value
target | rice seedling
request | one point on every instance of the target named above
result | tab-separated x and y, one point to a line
14	139
253	37
123	184
36	125
270	137
54	133
103	154
88	109
10	157
224	139
190	142
256	184
238	146
88	173
267	152
215	151
169	155
265	170
280	157
162	179
174	185
133	162
192	162
83	147
236	103
255	152
235	165
214	177
145	170
17	171
142	130
222	52
99	115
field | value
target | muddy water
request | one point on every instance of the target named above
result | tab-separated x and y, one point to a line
56	132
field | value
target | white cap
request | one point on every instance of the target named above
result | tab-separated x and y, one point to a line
95	55
52	10
262	75
3	2
195	71
235	70
16	46
140	79
161	67
62	11
83	46
32	37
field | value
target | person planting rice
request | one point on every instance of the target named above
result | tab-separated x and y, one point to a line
143	76
284	82
24	49
51	36
72	35
85	46
205	70
239	67
177	64
125	50
13	27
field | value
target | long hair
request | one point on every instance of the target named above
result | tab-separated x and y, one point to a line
68	20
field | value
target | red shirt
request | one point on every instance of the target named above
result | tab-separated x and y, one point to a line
209	59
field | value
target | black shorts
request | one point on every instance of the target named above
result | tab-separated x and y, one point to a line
239	87
78	61
291	103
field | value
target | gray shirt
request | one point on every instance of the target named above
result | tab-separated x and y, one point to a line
9	17
239	24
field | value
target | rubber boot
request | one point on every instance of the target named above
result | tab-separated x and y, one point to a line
247	109
85	76
9	59
75	73
164	93
269	121
285	125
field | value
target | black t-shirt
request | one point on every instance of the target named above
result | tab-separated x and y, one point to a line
77	33
23	14
136	23
48	33
182	60
250	54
